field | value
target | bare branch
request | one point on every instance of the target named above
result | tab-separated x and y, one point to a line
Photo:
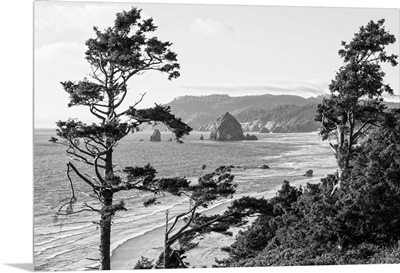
96	167
93	111
195	229
74	146
191	217
136	103
71	151
358	133
90	207
71	200
180	216
83	177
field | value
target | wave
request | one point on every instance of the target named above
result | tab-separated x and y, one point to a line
61	253
271	157
126	219
55	246
61	230
58	238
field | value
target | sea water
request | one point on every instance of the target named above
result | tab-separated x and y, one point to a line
72	242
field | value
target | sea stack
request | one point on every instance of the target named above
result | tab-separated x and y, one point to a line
250	137
308	173
264	130
227	128
156	136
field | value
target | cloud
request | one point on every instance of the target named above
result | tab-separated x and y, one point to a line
72	21
59	50
210	28
63	15
304	89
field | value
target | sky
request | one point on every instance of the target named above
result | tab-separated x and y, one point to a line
223	49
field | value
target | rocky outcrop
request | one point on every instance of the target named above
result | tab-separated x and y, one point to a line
264	167
264	130
308	173
201	137
156	136
250	137
227	128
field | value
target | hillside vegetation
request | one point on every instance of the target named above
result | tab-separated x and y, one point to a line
281	118
360	224
201	110
277	113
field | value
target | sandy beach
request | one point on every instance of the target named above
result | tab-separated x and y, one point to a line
150	244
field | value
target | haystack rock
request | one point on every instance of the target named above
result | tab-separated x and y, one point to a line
156	136
227	128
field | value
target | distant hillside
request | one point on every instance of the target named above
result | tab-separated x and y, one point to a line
200	110
279	119
277	113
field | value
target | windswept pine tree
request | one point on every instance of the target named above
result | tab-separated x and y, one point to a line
210	187
356	103
115	55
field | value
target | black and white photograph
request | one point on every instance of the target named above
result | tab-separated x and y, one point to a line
177	135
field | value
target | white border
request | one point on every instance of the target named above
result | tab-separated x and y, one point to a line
17	122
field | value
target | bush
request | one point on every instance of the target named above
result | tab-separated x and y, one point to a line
144	263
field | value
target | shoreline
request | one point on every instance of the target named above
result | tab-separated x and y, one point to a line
141	231
150	243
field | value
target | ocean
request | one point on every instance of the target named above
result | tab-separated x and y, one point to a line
71	242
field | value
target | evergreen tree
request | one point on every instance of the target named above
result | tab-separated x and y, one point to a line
116	55
356	99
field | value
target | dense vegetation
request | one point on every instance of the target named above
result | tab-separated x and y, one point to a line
359	224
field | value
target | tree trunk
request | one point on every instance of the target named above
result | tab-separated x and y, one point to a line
167	248
350	141
339	156
105	247
105	223
105	233
167	256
